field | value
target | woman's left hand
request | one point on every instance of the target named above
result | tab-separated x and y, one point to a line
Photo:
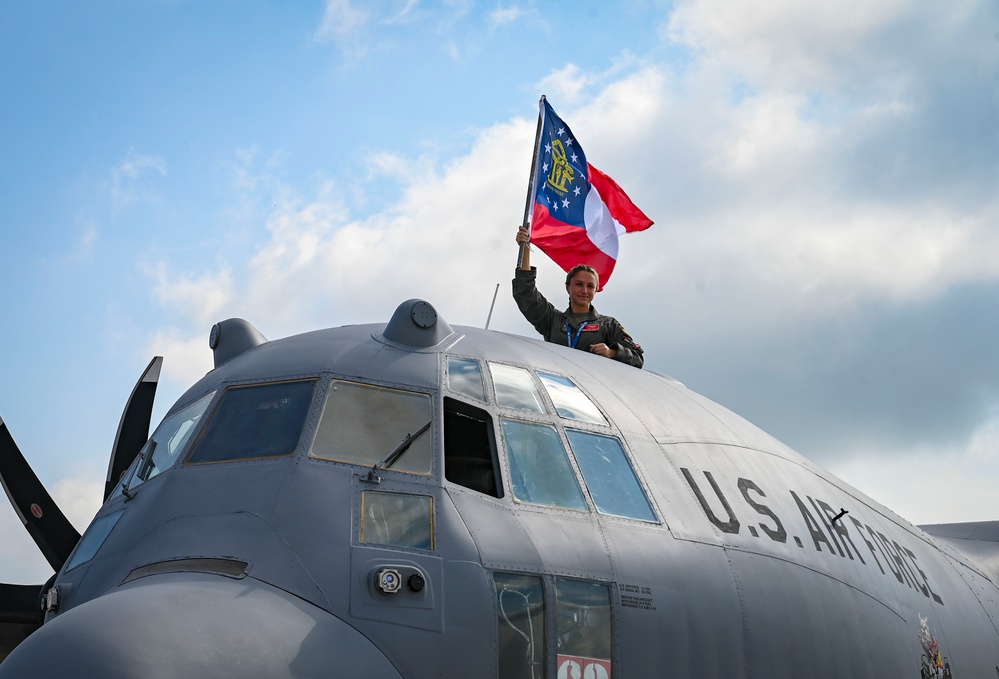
603	350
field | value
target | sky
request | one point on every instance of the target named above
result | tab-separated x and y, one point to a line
822	176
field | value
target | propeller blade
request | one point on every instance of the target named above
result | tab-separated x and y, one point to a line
133	430
47	525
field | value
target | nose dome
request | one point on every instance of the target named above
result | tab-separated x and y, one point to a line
196	625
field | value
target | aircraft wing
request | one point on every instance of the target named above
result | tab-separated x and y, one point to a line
979	540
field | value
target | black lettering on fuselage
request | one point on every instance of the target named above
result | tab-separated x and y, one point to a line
874	536
828	527
860	529
813	526
893	556
900	557
840	528
935	596
777	534
903	552
730	526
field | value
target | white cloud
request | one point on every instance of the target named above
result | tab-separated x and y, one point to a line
404	14
22	562
504	16
445	240
947	484
755	188
799	45
186	350
203	297
86	243
566	85
125	187
79	498
340	19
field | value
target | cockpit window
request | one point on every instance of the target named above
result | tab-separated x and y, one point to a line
367	424
163	447
608	474
539	466
569	400
470	448
397	519
465	377
515	388
93	539
262	420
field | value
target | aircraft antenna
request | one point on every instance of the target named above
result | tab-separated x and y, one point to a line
490	316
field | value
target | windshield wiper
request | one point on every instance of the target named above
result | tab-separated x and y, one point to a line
396	453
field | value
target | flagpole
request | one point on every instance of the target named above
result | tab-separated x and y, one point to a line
532	183
490	316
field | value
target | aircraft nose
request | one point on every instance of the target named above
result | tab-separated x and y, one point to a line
196	625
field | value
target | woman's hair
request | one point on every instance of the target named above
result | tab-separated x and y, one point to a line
582	267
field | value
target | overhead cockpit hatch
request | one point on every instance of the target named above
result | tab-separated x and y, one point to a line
416	323
232	337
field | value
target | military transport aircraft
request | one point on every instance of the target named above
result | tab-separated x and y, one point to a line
415	500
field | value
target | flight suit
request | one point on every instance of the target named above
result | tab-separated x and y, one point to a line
558	328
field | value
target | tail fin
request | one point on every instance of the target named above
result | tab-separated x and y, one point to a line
978	540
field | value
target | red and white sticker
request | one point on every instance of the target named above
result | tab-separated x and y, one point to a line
36	511
578	667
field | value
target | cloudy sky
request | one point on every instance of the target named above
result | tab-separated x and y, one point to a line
823	178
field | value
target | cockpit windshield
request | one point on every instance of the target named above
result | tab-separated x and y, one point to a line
364	424
260	420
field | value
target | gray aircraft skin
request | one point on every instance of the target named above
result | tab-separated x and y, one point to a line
411	500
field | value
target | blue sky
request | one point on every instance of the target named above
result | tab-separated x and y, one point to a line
823	179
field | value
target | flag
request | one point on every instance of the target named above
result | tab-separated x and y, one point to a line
578	211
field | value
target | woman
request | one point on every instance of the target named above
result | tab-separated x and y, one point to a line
579	326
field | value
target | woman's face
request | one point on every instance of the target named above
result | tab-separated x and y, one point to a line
582	287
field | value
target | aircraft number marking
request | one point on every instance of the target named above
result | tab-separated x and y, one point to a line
576	667
824	534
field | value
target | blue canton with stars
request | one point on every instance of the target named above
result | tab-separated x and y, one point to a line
562	172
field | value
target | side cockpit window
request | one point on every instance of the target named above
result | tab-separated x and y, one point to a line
540	472
368	425
163	448
261	420
570	402
465	377
470	448
608	475
515	388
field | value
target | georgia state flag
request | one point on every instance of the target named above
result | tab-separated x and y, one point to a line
578	210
